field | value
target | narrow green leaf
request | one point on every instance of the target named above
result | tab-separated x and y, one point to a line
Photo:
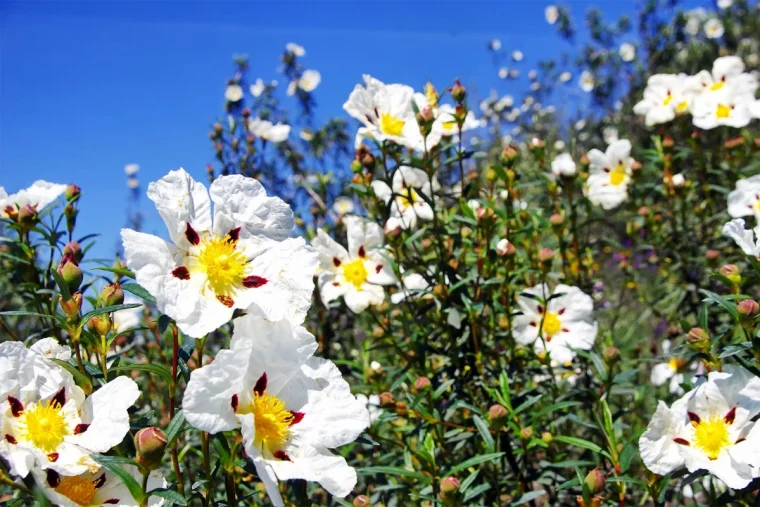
579	442
21	313
485	432
118	271
477	460
107	309
169	494
139	291
174	427
113	465
401	472
156	369
529	496
722	301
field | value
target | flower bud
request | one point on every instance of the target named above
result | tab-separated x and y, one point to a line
545	256
72	193
361	501
526	433
458	92
100	324
585	162
72	248
368	161
72	306
150	445
711	256
422	384
387	399
449	488
747	308
547	437
71	217
698	338
731	271
509	155
27	216
556	220
70	272
356	166
595	481
504	247
497	416
111	295
611	354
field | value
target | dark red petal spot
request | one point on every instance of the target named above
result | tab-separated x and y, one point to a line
80	428
694	418
53	479
336	284
111	501
191	235
540	309
297	417
98	483
730	416
533	324
362	252
52	457
261	384
561	311
282	455
681	441
740	440
234	402
17	408
59	398
378	268
253	281
234	234
225	300
10	439
565	330
606	169
181	272
336	262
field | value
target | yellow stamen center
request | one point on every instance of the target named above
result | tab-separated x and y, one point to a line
408	198
682	107
711	435
676	364
717	86
45	426
667	100
723	111
223	265
618	175
551	325
271	420
79	489
391	125
356	273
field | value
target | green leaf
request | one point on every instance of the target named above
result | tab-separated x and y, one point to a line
118	271
174	427
477	460
156	369
113	465
485	432
528	404
579	442
139	291
529	496
402	472
169	494
107	309
22	313
722	301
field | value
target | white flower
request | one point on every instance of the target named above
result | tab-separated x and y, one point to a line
257	88
565	77
726	71
729	106
627	52
131	169
586	81
473	204
559	145
308	82
373	406
517	55
239	258
445	124
557	322
580	124
292	47
343	205
514	73
694	20
410	192
503	73
665	96
495	44
563	165
672	371
386	112
505	101
725	4
233	93
95	489
678	180
46	421
411	285
610	135
532	74
133	183
551	13
264	129
358	273
124	320
454	318
502	247
745	199
290	407
39	195
609	174
746	239
709	428
714	28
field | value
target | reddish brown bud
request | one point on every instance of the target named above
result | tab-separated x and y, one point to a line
150	445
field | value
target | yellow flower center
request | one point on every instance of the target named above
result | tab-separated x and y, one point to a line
391	125
667	100
551	325
223	265
432	95
355	272
408	198
675	364
448	125
717	86
682	107
45	426
271	420
79	489
711	435
618	175
723	111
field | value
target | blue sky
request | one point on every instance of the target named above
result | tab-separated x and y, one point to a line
86	87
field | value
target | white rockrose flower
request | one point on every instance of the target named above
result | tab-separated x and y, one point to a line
373	406
408	205
495	44
563	165
292	47
746	239
131	169
308	82
665	97
343	205
744	200
411	285
673	371
386	112
37	196
265	129
727	71
555	322
709	428
47	422
233	93
503	247
565	77
610	174
714	28
517	55
678	180
586	81
503	73
257	88
725	4
627	52
239	257
729	106
358	273
95	489
290	407
610	135
551	13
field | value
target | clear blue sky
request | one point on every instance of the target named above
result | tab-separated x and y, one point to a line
86	87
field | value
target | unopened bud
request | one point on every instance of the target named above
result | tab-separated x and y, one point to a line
70	272
245	112
449	488
27	216
356	166
584	161
497	416
150	445
747	308
611	354
73	249
526	433
547	437
368	161
422	384
711	256
111	295
72	193
545	255
361	501
72	305
458	92
387	399
698	338
731	271
100	324
734	142
425	115
504	247
556	220
71	217
667	142
509	155
595	481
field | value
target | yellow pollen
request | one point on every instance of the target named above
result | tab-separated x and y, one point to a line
675	363
711	435
551	325
618	175
391	125
682	107
723	111
223	265
45	426
79	489
356	273
667	100
448	125
408	198
432	95
717	86
271	421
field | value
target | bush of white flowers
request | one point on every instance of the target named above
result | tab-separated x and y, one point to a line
549	299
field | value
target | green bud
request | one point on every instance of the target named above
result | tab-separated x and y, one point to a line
99	324
595	481
356	166
72	306
72	248
698	339
747	308
111	295
72	193
449	489
458	92
497	416
150	445
70	272
27	216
